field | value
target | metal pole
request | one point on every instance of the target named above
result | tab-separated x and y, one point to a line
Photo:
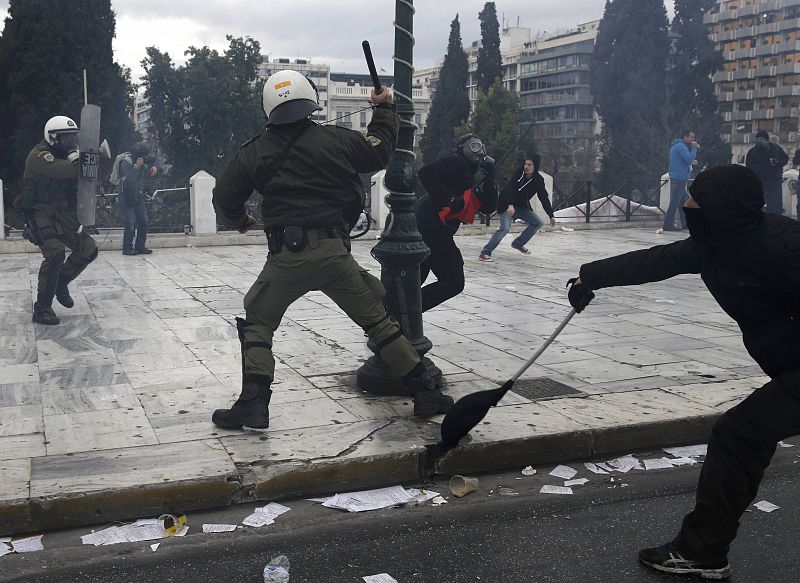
401	249
85	89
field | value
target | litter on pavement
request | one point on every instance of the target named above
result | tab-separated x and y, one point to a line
265	515
784	444
142	530
219	527
564	472
381	578
658	464
765	506
27	544
378	499
576	482
688	450
438	501
596	469
460	486
548	489
528	471
154	546
624	464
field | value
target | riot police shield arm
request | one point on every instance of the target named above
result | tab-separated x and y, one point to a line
371	152
46	164
231	192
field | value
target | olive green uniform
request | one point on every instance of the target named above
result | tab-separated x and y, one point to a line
48	201
316	186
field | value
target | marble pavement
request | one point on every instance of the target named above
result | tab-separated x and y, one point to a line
107	415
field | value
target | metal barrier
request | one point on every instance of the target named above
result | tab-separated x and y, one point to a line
628	197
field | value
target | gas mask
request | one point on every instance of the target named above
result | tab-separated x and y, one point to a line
66	142
473	150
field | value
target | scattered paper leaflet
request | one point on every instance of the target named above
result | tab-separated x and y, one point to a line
129	533
378	499
265	515
381	578
765	506
564	472
688	450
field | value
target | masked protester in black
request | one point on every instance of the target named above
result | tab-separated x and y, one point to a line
767	160
750	262
454	195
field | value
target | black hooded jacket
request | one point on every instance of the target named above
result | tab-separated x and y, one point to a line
767	161
520	189
749	261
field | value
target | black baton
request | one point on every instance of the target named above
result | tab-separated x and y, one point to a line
376	82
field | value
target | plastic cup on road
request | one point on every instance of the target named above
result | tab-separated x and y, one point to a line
460	486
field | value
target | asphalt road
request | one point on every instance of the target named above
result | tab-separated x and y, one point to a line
592	536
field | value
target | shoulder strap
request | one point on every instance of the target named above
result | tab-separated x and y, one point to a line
284	156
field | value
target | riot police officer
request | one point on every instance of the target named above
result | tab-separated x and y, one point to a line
308	174
48	201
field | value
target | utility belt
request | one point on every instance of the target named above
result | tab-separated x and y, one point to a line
295	239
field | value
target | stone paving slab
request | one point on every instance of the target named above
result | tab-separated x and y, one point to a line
107	416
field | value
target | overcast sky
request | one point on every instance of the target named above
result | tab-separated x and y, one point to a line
320	30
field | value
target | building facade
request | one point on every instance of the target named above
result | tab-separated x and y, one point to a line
555	96
349	101
759	85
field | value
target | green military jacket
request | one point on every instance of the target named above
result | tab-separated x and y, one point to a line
318	184
48	180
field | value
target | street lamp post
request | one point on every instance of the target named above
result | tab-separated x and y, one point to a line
400	249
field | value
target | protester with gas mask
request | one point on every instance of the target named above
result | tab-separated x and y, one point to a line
134	167
48	202
767	160
515	203
454	195
750	262
309	176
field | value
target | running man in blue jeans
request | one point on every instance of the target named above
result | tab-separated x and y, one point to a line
515	202
133	169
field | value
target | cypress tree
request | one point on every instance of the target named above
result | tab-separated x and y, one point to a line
692	102
628	84
43	50
450	103
489	59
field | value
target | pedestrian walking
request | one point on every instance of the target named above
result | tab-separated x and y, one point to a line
767	160
515	203
134	167
750	262
453	197
48	202
682	154
308	174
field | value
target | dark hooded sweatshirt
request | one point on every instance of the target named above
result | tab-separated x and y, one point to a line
749	261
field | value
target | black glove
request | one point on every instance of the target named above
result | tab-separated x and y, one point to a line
579	295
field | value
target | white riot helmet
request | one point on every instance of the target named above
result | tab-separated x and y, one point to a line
60	124
289	97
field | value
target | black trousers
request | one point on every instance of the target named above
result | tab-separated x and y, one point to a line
740	449
445	261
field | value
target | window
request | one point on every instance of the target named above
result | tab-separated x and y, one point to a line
766	104
769	61
769	82
363	118
726	107
790	101
747	43
745	105
747	64
789	124
727	87
729	66
746	84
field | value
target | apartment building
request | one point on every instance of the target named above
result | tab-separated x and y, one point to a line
554	90
759	85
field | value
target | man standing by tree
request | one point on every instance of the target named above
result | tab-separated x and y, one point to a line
48	201
682	154
515	202
767	160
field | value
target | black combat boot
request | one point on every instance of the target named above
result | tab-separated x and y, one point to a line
428	398
62	294
251	409
43	313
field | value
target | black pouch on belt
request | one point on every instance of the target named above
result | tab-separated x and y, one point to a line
295	238
274	240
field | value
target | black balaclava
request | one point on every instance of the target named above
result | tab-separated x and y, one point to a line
731	201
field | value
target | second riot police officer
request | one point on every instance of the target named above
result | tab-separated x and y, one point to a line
48	201
308	174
